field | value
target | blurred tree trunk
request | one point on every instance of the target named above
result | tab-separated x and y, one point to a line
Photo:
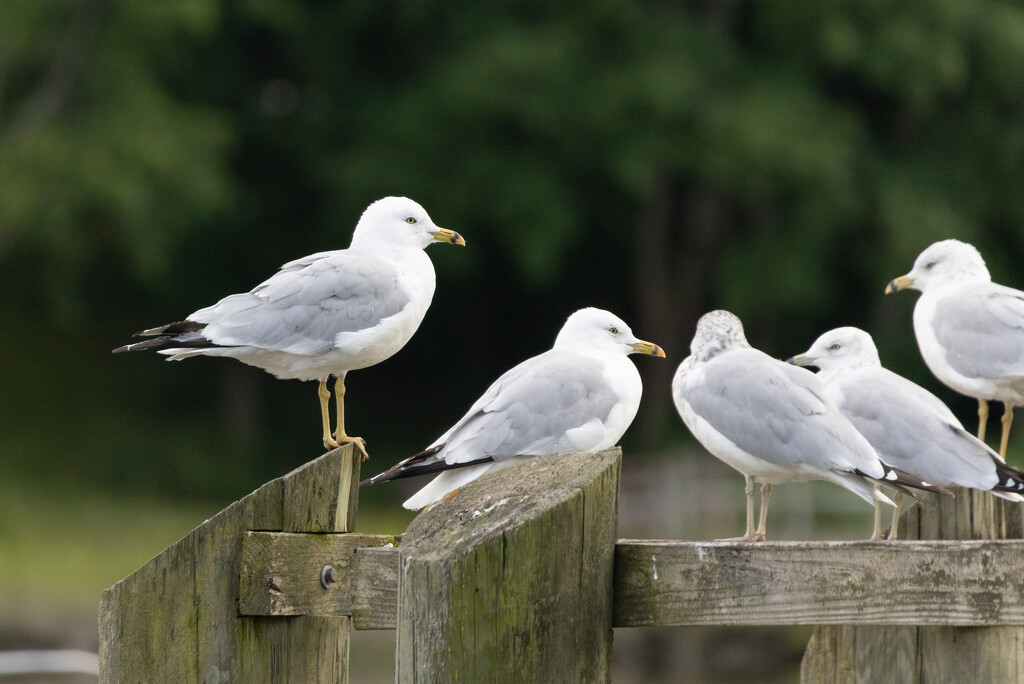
241	396
681	236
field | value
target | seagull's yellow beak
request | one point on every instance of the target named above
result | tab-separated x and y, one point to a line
648	348
449	236
898	284
800	360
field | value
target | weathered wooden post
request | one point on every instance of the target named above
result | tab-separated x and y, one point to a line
176	619
850	653
511	579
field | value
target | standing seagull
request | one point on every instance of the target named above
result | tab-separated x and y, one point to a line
771	421
581	395
908	426
969	329
324	314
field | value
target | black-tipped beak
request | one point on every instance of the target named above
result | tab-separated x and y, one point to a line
801	360
449	236
897	284
648	348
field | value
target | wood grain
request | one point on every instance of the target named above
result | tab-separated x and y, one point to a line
814	583
176	618
926	653
510	580
281	573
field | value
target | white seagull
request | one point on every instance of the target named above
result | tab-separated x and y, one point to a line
771	421
324	314
969	329
579	396
908	426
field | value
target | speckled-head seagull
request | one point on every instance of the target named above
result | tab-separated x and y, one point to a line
771	421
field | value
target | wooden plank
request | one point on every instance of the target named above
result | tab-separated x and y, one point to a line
858	653
717	583
375	588
510	579
319	497
176	618
809	583
307	648
143	613
281	572
322	498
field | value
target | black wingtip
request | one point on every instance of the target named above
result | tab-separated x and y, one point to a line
906	482
158	343
1011	479
171	329
416	465
376	478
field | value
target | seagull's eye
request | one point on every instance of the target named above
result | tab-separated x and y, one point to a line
835	347
931	264
613	330
410	219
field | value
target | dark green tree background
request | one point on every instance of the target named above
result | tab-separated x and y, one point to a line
781	160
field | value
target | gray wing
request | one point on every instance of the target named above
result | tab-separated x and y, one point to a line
776	412
906	428
982	330
303	307
530	408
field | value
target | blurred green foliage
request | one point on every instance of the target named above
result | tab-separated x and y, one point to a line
779	159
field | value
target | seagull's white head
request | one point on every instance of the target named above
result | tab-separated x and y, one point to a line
840	348
948	261
717	331
597	330
398	221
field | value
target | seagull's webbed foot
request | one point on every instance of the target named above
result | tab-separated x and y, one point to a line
750	537
358	441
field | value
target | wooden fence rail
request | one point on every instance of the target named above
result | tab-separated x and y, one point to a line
520	578
672	583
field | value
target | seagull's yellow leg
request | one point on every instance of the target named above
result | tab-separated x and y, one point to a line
749	536
1007	419
982	418
762	523
898	499
876	532
339	434
325	397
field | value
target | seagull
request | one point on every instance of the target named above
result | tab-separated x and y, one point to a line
324	314
579	396
771	421
969	329
908	426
